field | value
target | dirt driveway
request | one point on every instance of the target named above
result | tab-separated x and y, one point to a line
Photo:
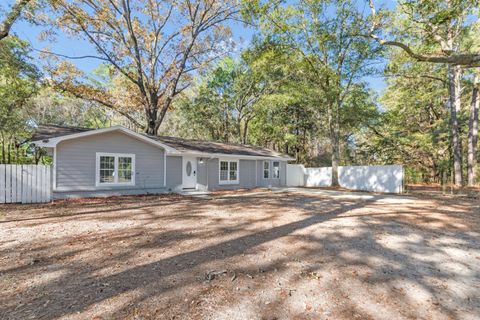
295	255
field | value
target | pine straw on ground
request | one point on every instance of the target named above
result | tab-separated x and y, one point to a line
295	255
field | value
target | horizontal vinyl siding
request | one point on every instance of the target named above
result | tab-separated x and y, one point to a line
246	175
271	182
174	172
76	161
202	178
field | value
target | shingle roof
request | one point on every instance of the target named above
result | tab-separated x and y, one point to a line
45	132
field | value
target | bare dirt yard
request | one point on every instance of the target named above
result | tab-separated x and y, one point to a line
310	254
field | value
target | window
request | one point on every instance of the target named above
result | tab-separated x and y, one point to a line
228	172
223	170
266	169
115	169
276	170
124	169
107	169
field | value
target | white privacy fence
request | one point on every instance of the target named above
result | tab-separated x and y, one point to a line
368	178
25	183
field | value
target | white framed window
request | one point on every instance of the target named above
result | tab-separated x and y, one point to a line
276	169
117	169
266	169
228	171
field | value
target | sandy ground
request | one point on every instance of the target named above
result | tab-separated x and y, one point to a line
267	255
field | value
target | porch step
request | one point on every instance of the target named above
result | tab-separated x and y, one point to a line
195	193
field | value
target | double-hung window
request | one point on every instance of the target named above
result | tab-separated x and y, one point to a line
276	170
266	169
228	172
115	169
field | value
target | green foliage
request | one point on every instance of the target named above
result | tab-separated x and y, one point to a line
413	129
19	81
286	107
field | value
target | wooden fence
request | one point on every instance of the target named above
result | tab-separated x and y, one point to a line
25	183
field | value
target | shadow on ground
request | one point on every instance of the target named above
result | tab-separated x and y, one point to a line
285	255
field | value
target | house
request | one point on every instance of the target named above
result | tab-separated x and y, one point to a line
119	161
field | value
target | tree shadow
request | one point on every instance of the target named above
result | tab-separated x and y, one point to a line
264	236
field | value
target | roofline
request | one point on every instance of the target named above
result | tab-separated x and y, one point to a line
52	142
231	155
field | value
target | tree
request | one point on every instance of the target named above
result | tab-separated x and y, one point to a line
473	131
413	128
433	31
19	81
225	100
11	17
51	107
151	46
438	21
322	31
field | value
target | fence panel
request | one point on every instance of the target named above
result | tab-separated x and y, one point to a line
25	183
368	178
295	175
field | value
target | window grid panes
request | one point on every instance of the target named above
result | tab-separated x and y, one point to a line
115	169
107	169
266	169
233	171
276	170
228	171
124	169
224	170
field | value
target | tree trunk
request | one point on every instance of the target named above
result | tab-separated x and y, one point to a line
473	132
17	152
454	74
151	127
335	141
245	131
227	125
9	150
3	150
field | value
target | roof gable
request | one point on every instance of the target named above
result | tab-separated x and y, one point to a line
49	138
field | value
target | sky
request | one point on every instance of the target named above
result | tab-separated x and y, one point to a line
242	35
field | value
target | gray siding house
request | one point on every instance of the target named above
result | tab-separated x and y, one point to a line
119	161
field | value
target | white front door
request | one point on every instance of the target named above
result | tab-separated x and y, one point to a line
189	172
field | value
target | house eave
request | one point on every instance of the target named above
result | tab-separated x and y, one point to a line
230	156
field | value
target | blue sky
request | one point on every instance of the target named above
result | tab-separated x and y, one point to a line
73	47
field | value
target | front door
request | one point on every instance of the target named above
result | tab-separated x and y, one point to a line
189	172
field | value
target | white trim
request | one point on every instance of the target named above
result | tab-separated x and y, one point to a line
227	182
54	187
273	170
54	141
263	170
193	161
115	177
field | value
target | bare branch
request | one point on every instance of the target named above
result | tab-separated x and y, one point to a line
456	59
